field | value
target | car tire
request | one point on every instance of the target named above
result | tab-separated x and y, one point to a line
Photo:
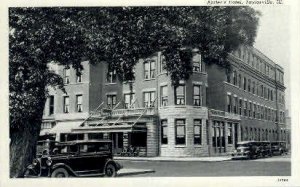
60	173
28	173
110	170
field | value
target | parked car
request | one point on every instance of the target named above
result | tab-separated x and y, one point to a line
279	148
252	150
75	159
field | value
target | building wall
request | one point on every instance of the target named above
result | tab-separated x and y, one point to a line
189	113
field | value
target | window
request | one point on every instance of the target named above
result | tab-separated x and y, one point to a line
67	75
228	103
164	132
250	109
66	104
149	69
249	85
180	95
51	104
229	133
112	76
197	96
261	90
235	78
180	131
245	83
198	131
235	103
228	76
162	63
197	62
254	110
149	98
240	106
128	100
253	88
79	103
245	108
240	81
164	95
111	101
78	76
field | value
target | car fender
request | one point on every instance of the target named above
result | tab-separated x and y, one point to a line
62	165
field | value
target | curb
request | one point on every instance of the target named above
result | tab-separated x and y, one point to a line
135	172
172	159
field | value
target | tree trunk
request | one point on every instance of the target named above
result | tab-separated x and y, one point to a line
23	147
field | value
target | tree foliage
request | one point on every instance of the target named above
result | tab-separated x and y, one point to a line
117	35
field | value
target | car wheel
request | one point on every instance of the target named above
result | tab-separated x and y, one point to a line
60	173
110	170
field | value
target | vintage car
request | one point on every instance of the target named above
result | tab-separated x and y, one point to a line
75	159
279	148
252	150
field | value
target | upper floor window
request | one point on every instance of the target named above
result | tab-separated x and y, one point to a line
162	63
245	83
149	98
149	69
253	87
79	77
197	96
179	131
249	85
234	78
240	106
164	131
197	62
245	108
198	131
164	95
240	81
229	103
129	100
66	104
67	75
79	103
111	76
235	103
180	95
228	76
111	101
51	104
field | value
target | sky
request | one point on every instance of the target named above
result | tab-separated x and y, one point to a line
273	39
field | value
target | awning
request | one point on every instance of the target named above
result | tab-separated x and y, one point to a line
124	127
61	127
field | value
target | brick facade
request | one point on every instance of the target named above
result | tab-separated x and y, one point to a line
218	125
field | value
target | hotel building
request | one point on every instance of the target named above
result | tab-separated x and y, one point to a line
205	115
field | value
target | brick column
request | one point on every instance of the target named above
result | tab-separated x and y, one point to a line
209	145
152	140
225	135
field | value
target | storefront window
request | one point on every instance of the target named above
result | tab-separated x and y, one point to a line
198	131
164	132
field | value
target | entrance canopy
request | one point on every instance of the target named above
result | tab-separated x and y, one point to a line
61	127
120	127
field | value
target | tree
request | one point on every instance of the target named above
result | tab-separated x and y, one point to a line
117	35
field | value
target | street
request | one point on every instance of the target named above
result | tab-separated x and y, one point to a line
274	166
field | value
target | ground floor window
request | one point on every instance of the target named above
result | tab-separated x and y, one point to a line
179	131
229	133
139	139
164	132
198	131
218	139
95	136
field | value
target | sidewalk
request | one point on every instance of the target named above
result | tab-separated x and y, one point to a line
201	159
132	171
